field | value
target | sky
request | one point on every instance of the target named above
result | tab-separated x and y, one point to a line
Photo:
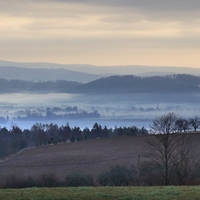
106	32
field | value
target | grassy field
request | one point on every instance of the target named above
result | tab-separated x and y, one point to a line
100	193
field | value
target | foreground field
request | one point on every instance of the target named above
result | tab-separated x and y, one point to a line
88	157
100	193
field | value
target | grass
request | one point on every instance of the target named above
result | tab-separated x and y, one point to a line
101	193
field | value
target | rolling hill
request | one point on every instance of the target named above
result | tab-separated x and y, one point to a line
12	86
138	70
45	74
181	83
89	157
129	84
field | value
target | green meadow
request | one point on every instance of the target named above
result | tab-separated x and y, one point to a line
100	193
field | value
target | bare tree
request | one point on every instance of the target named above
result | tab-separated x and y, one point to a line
163	145
182	125
194	122
185	125
170	153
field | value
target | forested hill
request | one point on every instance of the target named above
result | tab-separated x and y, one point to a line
181	83
12	86
110	85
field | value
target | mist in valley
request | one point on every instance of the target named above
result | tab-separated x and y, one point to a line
83	110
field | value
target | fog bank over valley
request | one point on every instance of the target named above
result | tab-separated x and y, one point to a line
25	109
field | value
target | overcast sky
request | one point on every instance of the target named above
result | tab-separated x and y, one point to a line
106	32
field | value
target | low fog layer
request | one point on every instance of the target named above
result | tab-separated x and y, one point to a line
85	110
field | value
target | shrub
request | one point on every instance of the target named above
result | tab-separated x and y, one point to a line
117	175
48	180
14	181
77	179
103	178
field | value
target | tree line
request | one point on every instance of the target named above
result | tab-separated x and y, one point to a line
15	139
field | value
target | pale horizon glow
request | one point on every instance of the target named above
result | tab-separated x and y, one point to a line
112	32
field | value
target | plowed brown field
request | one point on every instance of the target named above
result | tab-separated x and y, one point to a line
88	157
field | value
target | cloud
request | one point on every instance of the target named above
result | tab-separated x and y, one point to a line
79	29
159	5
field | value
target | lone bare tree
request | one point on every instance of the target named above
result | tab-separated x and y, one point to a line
170	152
163	145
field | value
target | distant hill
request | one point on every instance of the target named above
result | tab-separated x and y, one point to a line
128	84
12	86
181	83
45	74
138	70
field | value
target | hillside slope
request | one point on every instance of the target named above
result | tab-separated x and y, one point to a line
181	83
89	156
13	86
45	74
112	70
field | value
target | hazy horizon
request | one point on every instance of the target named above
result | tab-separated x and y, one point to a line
91	65
92	71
